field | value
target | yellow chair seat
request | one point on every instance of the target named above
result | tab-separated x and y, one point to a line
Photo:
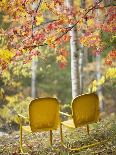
26	128
85	110
43	116
68	123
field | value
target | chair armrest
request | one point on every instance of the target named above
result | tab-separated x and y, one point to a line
65	114
22	117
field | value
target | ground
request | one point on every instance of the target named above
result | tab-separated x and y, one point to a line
38	144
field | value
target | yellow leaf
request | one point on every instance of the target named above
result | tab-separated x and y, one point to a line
50	40
39	20
101	81
61	58
111	73
6	55
43	6
90	22
3	1
5	18
94	89
94	86
24	50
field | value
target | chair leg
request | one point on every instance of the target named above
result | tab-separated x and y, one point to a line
88	129
61	136
51	137
21	148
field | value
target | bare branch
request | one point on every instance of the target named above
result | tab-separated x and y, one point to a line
39	4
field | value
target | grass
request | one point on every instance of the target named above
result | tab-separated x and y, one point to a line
38	144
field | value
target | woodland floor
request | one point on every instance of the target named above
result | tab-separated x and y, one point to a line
38	144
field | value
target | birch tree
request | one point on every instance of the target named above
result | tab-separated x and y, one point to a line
98	68
74	49
81	56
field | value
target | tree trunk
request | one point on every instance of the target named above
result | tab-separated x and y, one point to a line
98	76
81	56
81	63
98	70
34	62
33	79
85	49
75	77
85	55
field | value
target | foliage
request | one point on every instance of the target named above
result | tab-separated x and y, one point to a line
109	75
42	23
27	37
4	22
10	79
9	113
15	85
50	78
100	33
13	100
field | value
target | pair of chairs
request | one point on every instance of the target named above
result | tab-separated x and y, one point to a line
44	115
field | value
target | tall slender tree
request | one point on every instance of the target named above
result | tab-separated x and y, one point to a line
98	67
75	76
81	56
35	7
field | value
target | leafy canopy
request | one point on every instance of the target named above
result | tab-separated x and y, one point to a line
43	23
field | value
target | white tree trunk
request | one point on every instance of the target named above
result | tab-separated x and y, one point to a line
75	78
98	76
34	62
81	69
33	79
85	55
98	70
81	56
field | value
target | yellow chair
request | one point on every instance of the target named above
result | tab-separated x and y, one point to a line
85	110
43	116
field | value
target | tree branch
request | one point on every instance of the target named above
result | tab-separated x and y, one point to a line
69	28
45	23
39	4
34	17
78	21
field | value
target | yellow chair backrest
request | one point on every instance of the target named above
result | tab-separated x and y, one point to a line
44	114
85	109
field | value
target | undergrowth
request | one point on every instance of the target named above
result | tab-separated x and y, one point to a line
38	144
